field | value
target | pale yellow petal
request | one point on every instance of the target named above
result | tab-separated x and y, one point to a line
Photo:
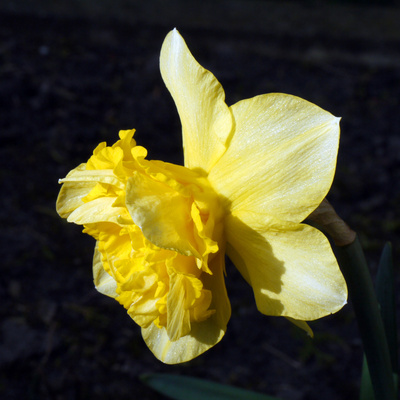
162	214
302	325
200	100
281	159
78	184
290	267
81	174
202	337
204	334
178	321
71	195
103	282
98	210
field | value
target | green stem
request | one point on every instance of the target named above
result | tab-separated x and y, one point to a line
355	270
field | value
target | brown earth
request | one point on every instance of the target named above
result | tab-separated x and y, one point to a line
71	78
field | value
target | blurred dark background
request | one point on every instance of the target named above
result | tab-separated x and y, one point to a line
73	73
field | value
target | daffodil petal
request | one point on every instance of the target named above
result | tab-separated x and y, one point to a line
103	282
204	334
178	324
162	213
281	159
77	185
291	267
80	174
71	195
302	325
98	210
200	100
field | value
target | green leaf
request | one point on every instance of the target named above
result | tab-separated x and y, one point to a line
358	278
183	388
366	390
386	298
386	295
385	292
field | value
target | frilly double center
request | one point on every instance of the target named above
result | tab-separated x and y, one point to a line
159	228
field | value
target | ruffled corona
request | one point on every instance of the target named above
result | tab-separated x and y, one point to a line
158	226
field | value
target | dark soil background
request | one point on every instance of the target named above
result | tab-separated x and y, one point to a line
72	74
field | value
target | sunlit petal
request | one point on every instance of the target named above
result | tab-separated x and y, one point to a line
98	210
200	100
290	267
204	334
103	282
162	214
281	159
302	325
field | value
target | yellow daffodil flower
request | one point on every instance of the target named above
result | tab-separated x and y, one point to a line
253	172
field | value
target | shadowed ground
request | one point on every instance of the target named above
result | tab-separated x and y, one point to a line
73	76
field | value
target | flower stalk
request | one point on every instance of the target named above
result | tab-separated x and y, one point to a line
328	221
361	291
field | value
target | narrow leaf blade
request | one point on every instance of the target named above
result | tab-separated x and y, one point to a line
385	292
183	388
366	389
